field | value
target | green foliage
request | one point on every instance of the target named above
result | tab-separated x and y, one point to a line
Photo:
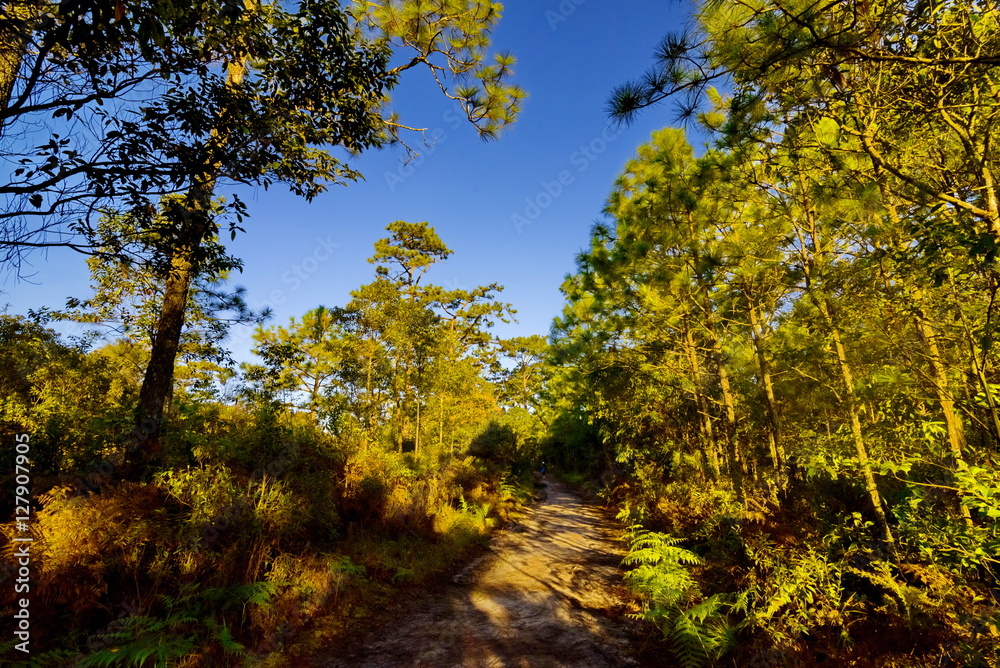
331	85
498	441
781	349
344	565
190	621
55	657
698	628
405	362
397	383
451	38
661	574
70	401
799	593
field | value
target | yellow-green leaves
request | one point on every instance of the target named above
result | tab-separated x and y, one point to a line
452	39
828	131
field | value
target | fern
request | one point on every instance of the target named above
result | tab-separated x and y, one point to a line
800	593
191	622
228	643
698	631
142	638
661	576
253	593
512	491
55	657
344	566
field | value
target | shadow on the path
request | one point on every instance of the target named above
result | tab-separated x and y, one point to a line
547	598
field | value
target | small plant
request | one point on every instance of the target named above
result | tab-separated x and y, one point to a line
801	593
699	630
192	621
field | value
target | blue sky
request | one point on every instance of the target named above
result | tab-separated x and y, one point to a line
515	211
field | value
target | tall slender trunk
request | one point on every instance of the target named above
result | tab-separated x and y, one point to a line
775	444
977	368
398	417
822	303
705	430
734	462
851	404
992	204
733	450
953	424
416	436
404	404
928	336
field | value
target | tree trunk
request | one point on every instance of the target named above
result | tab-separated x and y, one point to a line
927	334
953	424
705	430
733	453
821	301
851	404
193	221
732	438
157	383
416	435
775	444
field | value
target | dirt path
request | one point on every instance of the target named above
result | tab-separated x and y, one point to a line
540	599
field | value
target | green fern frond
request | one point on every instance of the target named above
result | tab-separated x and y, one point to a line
140	651
344	565
228	643
654	554
688	642
698	631
55	657
192	622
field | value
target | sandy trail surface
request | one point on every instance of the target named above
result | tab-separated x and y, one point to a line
544	596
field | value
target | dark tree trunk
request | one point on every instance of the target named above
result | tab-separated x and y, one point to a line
194	223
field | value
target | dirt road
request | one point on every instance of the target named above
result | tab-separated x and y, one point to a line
540	599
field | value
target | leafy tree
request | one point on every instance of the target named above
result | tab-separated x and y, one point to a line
72	109
404	361
912	86
316	114
524	382
70	401
309	354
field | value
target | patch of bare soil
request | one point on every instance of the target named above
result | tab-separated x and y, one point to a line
545	596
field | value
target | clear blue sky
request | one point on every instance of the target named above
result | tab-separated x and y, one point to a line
571	53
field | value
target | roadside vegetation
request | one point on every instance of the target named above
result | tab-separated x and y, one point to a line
780	351
777	358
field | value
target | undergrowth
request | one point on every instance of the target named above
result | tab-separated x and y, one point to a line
778	587
226	559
